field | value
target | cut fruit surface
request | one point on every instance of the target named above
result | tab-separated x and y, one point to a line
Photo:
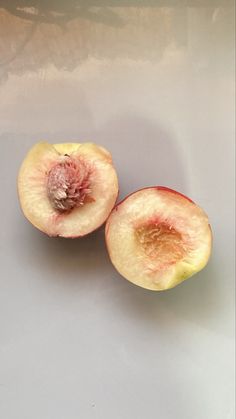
67	189
157	238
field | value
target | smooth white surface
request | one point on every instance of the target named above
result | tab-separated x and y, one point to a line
156	87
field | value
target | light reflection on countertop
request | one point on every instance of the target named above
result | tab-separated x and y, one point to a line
57	66
64	34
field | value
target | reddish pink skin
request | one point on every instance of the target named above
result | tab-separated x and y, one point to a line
163	188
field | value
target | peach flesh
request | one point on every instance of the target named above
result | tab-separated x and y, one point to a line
160	241
67	189
157	238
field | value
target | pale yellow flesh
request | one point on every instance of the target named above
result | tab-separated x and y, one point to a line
127	254
32	181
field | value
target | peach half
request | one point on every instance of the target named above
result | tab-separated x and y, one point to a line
69	189
157	238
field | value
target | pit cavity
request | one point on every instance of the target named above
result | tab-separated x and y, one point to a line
68	183
160	242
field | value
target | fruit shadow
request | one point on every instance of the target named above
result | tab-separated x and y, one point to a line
196	300
64	261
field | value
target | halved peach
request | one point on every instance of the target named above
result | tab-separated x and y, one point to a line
157	238
67	189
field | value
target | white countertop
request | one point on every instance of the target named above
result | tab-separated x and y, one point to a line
155	85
